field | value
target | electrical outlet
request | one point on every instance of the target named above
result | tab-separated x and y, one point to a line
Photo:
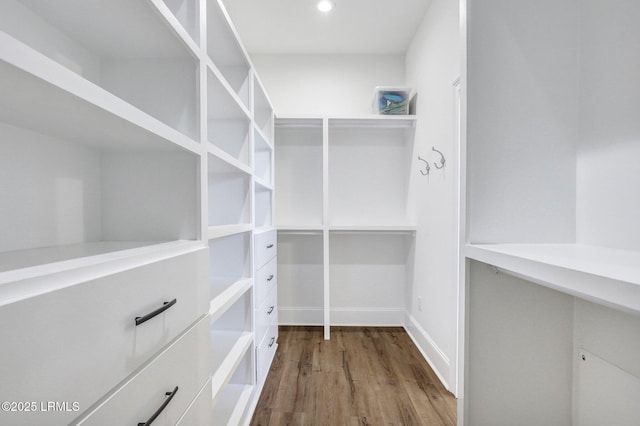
420	304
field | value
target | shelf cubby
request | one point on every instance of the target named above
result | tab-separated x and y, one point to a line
299	180
368	275
81	198
264	206
231	329
262	110
262	158
230	261
231	340
229	194
141	60
187	12
229	125
368	171
226	51
300	278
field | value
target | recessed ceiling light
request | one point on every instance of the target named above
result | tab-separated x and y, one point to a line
325	5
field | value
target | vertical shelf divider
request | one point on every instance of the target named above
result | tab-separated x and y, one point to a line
325	231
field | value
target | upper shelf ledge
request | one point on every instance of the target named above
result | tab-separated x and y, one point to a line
603	275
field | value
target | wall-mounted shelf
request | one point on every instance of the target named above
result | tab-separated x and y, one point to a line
342	195
599	274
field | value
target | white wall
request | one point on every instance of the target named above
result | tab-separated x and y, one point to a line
432	65
302	85
326	84
608	175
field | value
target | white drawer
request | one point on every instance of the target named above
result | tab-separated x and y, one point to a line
266	280
266	315
266	351
183	365
86	334
200	412
265	248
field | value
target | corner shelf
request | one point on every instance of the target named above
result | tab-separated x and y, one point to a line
599	274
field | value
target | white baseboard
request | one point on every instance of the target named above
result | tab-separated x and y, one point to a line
430	351
367	317
300	316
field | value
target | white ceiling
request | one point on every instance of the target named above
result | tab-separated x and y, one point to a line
353	27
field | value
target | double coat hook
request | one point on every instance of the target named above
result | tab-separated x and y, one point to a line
427	167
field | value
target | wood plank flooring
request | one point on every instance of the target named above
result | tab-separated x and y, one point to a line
362	376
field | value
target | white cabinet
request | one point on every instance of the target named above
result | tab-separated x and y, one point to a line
165	387
344	220
266	302
553	243
136	165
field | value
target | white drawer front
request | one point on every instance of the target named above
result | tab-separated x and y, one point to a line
200	412
85	335
265	248
266	315
266	351
266	280
182	365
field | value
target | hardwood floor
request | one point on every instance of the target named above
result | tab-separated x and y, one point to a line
362	376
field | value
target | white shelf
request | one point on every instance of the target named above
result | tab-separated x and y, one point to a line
226	51
238	345
232	403
27	273
373	228
374	121
88	108
289	228
224	295
141	60
599	274
221	231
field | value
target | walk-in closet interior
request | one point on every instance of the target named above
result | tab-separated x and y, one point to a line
182	181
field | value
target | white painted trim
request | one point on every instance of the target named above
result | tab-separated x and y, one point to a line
429	349
367	317
300	316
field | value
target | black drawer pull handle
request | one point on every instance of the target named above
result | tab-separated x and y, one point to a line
270	277
162	407
270	246
272	341
270	310
164	307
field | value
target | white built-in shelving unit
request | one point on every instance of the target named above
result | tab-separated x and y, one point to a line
136	165
345	230
553	275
